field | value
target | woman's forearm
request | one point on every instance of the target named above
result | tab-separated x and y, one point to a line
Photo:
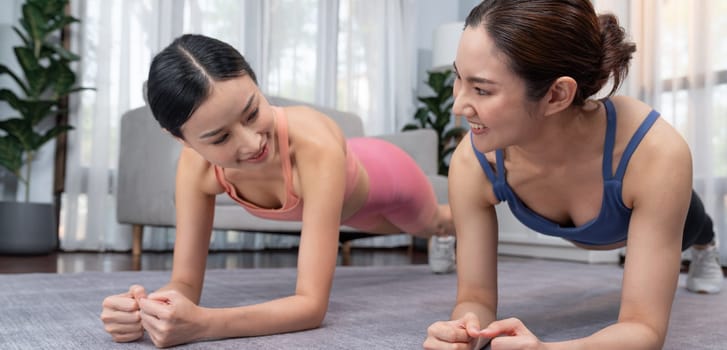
622	336
287	314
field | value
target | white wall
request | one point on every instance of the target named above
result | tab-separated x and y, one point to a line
431	14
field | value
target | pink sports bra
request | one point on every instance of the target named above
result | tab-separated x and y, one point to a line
292	209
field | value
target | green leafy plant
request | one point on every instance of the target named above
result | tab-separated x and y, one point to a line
46	79
436	114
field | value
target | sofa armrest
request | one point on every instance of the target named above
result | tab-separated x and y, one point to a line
146	171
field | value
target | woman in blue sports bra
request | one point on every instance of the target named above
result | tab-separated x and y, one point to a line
602	174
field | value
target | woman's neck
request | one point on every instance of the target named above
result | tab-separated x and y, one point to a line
575	134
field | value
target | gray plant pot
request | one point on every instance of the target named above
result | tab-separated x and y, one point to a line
27	228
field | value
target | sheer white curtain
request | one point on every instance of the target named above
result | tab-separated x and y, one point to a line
116	40
681	70
355	55
376	77
348	54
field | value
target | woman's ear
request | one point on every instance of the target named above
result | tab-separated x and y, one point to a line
560	96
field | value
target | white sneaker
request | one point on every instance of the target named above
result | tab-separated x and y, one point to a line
441	254
705	272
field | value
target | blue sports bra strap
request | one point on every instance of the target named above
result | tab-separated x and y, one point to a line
634	142
500	157
610	139
484	163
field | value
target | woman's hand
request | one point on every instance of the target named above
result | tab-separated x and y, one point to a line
463	333
121	316
170	318
512	334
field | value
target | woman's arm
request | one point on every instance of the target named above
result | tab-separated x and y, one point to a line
476	226
170	315
472	202
125	314
658	184
319	158
195	204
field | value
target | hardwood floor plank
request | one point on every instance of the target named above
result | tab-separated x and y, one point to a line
72	262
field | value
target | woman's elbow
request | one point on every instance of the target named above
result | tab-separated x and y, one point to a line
315	314
318	315
315	322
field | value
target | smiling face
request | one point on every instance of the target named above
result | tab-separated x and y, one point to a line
234	126
489	95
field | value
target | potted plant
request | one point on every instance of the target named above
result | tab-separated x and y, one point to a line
44	82
437	114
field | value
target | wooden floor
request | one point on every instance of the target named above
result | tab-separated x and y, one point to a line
64	262
71	262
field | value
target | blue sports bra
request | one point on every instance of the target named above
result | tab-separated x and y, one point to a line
611	225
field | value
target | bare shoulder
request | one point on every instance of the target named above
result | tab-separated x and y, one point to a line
628	104
318	157
193	171
466	174
661	141
662	158
307	125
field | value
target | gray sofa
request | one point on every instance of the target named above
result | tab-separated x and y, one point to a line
147	166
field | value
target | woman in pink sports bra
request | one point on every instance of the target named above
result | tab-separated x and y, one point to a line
289	163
